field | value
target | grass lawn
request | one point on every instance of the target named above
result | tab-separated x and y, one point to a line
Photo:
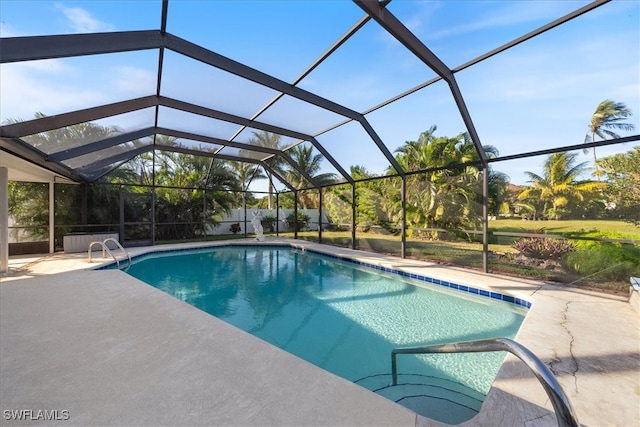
609	228
468	255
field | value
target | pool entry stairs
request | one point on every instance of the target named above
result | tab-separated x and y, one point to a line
441	399
437	398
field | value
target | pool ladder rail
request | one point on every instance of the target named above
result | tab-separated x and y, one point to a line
105	249
565	414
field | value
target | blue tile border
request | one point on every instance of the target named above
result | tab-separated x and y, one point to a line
461	288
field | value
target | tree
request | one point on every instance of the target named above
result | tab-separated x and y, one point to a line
189	181
498	200
29	202
559	184
309	162
245	174
608	116
622	173
269	140
448	193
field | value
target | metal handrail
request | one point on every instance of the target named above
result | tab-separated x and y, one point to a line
565	414
106	249
111	239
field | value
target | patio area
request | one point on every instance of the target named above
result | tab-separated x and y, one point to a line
111	350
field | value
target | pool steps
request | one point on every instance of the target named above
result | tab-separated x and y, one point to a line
437	398
565	414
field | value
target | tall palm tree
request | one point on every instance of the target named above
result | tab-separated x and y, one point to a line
608	116
270	140
245	173
558	183
69	136
308	161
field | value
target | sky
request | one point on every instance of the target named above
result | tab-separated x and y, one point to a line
538	95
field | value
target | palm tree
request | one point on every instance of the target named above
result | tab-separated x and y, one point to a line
448	196
559	183
608	115
309	162
269	140
69	136
245	173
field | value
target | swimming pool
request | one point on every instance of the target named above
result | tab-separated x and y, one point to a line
346	318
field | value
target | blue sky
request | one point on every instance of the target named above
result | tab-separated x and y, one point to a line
538	95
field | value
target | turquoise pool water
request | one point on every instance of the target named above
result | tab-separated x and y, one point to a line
346	319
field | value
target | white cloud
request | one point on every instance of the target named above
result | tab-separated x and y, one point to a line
27	88
81	21
7	31
510	14
133	81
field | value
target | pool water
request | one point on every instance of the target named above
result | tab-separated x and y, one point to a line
346	319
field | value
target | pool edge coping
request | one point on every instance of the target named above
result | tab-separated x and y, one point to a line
525	302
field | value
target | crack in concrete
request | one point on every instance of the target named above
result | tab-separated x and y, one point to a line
532	421
574	372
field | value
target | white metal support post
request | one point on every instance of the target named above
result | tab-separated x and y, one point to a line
4	219
52	234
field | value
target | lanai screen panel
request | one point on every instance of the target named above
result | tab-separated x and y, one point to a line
310	160
85	161
55	86
278	38
92	174
407	118
367	69
458	31
350	145
192	81
301	116
82	134
171	118
191	144
46	17
534	98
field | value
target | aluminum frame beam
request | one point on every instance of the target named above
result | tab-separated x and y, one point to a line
99	145
23	150
396	28
225	157
16	49
44	124
206	56
127	137
231	118
401	33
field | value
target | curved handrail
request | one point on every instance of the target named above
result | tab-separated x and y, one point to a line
565	414
104	248
111	239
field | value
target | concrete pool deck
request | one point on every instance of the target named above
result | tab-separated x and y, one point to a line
111	350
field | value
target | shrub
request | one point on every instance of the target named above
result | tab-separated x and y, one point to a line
610	261
302	222
268	223
543	248
235	228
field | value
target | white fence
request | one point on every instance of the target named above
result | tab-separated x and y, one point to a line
238	216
